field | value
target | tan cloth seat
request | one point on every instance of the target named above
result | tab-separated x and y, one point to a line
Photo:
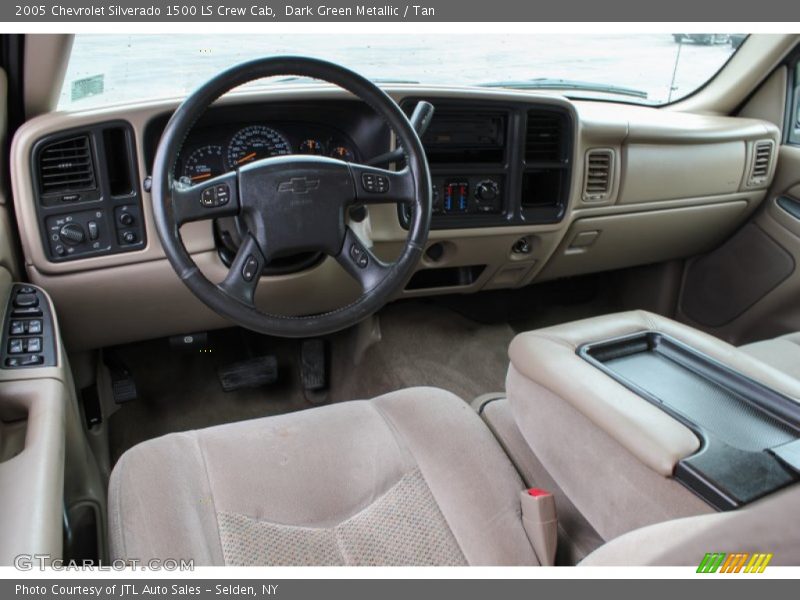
410	478
783	353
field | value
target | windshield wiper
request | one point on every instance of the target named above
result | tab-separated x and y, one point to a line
549	83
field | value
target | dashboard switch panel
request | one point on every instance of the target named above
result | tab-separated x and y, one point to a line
28	334
88	197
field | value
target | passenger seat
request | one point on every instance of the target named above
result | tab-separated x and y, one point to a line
782	352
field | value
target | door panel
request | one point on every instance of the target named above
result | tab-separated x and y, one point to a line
776	308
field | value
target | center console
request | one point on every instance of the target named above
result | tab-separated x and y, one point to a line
750	433
496	164
641	420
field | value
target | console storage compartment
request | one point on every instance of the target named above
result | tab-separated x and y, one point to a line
747	429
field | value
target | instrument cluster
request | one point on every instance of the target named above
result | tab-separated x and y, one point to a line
214	153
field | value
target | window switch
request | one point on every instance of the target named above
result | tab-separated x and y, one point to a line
15	346
34	326
16	328
34	345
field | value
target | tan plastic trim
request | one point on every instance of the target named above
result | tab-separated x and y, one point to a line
46	59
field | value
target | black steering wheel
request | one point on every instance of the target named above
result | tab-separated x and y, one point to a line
291	204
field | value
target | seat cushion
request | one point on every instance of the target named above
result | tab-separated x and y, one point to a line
783	353
410	478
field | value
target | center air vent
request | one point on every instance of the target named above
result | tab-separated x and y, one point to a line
544	138
67	166
762	161
598	174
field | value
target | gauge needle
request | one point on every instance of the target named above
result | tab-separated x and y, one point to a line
203	176
246	158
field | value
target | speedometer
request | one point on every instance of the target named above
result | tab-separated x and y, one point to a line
203	163
256	142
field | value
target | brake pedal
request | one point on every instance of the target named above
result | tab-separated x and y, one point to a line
314	370
250	373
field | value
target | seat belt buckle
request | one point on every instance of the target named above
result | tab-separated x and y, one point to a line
540	521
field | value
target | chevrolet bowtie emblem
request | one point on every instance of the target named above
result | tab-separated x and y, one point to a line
298	185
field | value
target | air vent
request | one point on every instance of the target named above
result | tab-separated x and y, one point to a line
762	161
599	172
67	166
544	139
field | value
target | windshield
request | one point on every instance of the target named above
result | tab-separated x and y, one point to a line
651	69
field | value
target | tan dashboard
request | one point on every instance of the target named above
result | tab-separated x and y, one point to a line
642	185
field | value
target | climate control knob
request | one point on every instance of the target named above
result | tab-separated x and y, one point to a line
487	190
72	234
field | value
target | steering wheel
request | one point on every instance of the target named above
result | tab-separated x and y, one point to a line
291	204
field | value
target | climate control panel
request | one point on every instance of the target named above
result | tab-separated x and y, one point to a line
464	200
465	195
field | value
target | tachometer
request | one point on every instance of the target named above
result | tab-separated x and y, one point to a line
256	142
203	163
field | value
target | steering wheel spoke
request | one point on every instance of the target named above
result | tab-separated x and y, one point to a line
245	271
381	186
213	198
360	262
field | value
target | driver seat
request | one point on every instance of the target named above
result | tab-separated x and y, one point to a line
413	477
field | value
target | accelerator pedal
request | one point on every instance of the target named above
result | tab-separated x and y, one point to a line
250	373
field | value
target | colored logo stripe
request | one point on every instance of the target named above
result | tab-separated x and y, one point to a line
736	562
711	562
758	563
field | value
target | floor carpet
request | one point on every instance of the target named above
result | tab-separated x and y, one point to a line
423	343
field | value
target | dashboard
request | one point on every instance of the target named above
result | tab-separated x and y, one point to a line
527	187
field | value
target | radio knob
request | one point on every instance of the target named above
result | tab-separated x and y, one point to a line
72	233
487	190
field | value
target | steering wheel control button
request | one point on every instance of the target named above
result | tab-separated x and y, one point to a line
215	195
207	198
250	268
375	183
223	194
359	256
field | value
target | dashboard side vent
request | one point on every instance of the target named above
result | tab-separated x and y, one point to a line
761	163
67	166
598	174
544	138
